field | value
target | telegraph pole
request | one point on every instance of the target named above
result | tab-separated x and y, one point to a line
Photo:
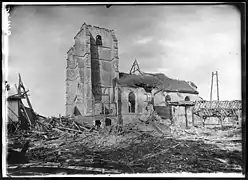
217	83
211	91
217	79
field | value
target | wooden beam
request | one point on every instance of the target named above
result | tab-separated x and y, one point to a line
186	116
193	118
79	131
25	94
26	113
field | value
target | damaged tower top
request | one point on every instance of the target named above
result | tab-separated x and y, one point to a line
92	70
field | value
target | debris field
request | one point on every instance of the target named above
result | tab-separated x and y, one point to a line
64	146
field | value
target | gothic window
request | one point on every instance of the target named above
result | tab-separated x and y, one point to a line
131	102
98	40
187	98
167	99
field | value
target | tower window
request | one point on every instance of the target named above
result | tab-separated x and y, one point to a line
131	102
98	40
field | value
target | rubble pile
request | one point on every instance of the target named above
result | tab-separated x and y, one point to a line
67	147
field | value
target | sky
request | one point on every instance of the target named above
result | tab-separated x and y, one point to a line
183	42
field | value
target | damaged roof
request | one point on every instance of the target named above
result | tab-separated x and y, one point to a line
158	80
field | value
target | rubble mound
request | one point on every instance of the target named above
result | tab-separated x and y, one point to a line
63	146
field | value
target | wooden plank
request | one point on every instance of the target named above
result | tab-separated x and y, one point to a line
156	127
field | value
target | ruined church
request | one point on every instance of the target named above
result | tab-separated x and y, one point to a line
100	94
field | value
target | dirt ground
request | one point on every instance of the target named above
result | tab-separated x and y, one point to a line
138	148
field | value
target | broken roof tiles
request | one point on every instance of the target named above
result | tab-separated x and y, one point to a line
156	81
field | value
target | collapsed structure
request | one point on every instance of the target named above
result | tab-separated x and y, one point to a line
101	95
19	116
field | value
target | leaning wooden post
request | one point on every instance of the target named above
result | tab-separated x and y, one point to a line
186	118
193	118
221	121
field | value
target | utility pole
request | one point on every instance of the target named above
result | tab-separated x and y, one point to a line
217	83
211	91
217	79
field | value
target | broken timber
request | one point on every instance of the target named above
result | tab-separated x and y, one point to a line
24	113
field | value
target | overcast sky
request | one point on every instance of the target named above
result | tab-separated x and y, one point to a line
184	42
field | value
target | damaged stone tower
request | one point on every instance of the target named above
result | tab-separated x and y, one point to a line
92	73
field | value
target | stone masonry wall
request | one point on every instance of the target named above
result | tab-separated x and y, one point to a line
92	70
79	91
141	104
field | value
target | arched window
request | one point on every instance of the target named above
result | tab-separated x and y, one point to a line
98	40
167	98
76	111
187	98
107	122
98	124
131	102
